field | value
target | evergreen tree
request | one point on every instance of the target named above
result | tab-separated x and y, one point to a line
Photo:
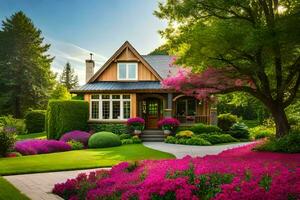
68	77
25	75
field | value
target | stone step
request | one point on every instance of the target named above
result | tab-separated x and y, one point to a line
154	136
152	139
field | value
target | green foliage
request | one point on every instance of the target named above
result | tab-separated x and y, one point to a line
239	130
203	128
68	78
112	127
7	140
225	121
293	113
289	143
18	124
104	139
64	116
184	134
261	131
127	141
25	75
75	145
136	140
162	50
35	121
124	136
60	92
218	138
187	140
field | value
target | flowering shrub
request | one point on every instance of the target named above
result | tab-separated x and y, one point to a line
168	124
136	123
184	134
233	174
75	145
7	139
34	146
79	136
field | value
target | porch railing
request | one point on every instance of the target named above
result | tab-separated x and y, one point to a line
205	119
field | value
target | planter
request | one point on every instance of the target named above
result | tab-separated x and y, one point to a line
137	132
167	133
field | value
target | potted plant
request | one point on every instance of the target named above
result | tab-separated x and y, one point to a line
137	124
168	125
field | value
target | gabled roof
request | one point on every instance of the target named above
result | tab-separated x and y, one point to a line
116	54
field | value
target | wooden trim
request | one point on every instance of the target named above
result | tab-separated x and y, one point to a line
125	46
133	106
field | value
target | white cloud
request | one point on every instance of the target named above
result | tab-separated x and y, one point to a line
67	52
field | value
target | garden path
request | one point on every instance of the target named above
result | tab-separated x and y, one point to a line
39	186
181	151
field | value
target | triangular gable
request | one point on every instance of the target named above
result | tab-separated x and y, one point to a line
124	47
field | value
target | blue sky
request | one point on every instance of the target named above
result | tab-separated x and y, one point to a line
76	27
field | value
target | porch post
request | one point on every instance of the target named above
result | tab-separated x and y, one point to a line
168	110
213	116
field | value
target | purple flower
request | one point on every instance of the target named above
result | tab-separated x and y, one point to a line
34	146
79	136
136	123
168	123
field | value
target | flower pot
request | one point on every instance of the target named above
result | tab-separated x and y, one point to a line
137	132
167	133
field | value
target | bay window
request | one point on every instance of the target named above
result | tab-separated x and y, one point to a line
110	107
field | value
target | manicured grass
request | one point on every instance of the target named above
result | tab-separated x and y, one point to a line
81	159
41	135
251	123
8	191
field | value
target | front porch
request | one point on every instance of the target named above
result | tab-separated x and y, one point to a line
188	110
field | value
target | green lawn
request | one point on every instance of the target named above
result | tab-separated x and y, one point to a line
9	192
41	135
88	158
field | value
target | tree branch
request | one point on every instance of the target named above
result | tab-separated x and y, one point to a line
293	93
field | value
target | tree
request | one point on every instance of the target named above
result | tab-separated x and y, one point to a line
68	77
246	45
60	92
25	75
162	50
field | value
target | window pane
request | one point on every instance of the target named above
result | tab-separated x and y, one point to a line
105	109
132	71
116	96
95	110
105	96
95	96
122	70
126	109
116	109
126	96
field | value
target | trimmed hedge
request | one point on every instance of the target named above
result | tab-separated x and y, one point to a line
239	130
104	139
187	141
35	121
201	128
66	115
225	121
115	128
218	138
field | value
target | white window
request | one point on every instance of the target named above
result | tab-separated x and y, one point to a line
110	106
127	71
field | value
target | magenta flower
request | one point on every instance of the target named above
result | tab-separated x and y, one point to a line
34	146
136	123
79	136
168	123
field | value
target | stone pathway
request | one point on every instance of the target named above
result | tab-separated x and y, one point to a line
182	150
39	186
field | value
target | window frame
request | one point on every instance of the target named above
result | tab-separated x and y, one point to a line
127	71
100	100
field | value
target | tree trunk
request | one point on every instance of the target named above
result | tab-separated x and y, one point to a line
17	107
281	121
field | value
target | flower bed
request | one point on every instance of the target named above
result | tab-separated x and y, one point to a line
234	174
32	147
79	136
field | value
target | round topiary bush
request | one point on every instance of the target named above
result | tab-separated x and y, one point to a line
104	139
35	121
225	121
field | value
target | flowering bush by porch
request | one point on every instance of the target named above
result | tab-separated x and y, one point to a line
234	174
168	124
32	147
136	123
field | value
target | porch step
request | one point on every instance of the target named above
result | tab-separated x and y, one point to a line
152	136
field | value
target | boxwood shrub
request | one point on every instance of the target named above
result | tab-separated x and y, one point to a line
201	128
115	128
218	138
65	115
35	121
104	139
187	141
225	121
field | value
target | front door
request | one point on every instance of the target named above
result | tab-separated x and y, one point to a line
152	114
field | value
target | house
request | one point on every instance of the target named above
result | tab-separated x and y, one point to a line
128	85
